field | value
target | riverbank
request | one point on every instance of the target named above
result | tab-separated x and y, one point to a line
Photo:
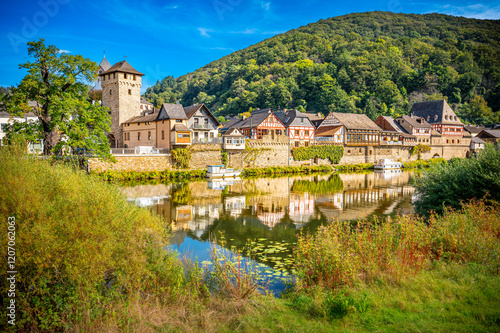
254	172
91	261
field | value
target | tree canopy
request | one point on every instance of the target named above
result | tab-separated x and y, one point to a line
374	63
56	91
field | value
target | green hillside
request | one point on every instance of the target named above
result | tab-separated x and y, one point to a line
373	63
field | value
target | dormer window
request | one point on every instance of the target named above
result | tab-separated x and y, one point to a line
446	117
435	117
456	118
428	118
125	75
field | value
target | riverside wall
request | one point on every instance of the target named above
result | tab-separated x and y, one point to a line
267	154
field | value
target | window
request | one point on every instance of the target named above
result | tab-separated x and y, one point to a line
306	143
447	141
163	121
183	135
306	133
302	120
296	132
138	136
458	141
147	123
163	135
297	143
104	77
206	121
278	132
149	135
134	77
138	124
130	91
125	75
109	92
114	75
178	120
452	141
124	136
128	136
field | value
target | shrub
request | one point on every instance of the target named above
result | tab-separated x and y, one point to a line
181	157
463	179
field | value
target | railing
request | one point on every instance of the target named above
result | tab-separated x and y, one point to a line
203	126
134	151
207	140
325	138
391	143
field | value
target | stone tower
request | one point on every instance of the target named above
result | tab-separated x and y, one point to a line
121	92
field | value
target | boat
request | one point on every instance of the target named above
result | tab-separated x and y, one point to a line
385	164
220	171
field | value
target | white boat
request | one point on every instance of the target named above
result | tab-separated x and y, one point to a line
385	164
220	171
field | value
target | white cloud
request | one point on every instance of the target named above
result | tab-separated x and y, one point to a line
265	5
204	32
478	11
64	51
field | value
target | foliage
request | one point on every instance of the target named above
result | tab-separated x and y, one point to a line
373	63
56	91
332	152
224	158
181	157
332	185
345	254
354	167
461	179
419	149
419	164
250	154
83	251
145	175
252	172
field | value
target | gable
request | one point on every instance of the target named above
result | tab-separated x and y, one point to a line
330	120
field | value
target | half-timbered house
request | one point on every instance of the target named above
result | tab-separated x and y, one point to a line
261	123
416	126
440	116
359	129
299	127
393	134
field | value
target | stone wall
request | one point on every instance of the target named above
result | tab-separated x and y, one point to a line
268	154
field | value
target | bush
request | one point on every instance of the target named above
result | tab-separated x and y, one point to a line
462	179
83	251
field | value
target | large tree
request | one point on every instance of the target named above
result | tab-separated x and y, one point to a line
56	91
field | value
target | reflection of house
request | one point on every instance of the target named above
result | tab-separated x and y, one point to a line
235	205
299	128
261	123
392	133
233	140
202	123
359	129
416	126
301	208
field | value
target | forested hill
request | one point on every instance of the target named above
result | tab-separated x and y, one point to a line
373	63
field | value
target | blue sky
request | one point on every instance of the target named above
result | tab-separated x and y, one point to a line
161	38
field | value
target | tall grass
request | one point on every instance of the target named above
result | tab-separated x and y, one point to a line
83	253
344	254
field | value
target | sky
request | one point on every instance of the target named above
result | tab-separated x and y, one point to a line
160	38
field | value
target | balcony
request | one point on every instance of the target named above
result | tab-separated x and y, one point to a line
207	140
391	143
207	127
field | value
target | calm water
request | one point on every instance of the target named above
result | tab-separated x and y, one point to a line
270	212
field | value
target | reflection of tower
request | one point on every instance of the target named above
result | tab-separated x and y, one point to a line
121	92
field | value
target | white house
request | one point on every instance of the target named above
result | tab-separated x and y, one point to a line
233	140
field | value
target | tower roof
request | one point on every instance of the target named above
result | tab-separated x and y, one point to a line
105	65
122	67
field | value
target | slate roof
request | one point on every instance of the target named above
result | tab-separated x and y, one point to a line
122	67
314	116
393	124
477	140
191	110
256	118
172	111
356	121
228	124
441	109
293	118
474	129
417	122
494	133
105	65
145	101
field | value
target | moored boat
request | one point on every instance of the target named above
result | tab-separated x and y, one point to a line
385	164
220	171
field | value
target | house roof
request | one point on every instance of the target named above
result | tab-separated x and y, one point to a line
392	123
172	111
435	133
145	101
495	133
144	118
314	116
228	124
256	118
355	121
123	67
180	127
474	129
477	140
293	118
191	110
327	130
415	121
436	112
233	132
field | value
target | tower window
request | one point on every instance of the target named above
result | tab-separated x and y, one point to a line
149	135
130	91
134	77
104	77
125	75
163	135
114	75
109	92
138	136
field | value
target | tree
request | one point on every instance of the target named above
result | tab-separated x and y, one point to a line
55	90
